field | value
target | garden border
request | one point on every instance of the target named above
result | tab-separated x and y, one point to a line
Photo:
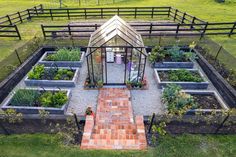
223	87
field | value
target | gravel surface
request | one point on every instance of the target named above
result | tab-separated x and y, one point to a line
81	98
147	102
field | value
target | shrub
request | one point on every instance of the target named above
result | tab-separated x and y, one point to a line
158	54
65	54
25	97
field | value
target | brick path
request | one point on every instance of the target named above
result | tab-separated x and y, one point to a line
114	126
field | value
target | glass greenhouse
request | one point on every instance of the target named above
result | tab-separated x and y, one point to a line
116	54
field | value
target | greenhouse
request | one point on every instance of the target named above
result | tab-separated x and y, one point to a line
116	54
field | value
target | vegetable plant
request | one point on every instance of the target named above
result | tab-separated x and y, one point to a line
39	72
184	75
53	99
25	97
65	54
177	102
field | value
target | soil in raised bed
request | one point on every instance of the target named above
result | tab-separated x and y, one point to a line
206	101
165	76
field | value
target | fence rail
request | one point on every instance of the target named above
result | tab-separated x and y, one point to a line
8	23
9	31
145	29
105	12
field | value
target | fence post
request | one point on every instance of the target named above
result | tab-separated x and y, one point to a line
102	13
152	12
96	26
17	31
44	35
29	15
232	30
218	52
135	12
68	14
193	22
85	13
19	16
41	8
76	122
176	12
36	11
152	120
51	14
118	11
18	57
69	29
177	30
150	31
204	31
9	19
183	18
169	12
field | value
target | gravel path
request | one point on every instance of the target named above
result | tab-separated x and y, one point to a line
147	102
81	98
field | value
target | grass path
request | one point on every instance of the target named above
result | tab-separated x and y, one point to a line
44	145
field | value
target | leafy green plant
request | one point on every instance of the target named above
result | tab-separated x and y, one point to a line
65	54
40	72
158	54
25	97
37	72
184	75
12	116
53	99
177	102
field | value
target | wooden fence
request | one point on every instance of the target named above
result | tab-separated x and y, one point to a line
8	27
9	31
105	12
184	24
145	29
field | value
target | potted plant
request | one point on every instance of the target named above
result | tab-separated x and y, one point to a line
98	58
99	84
89	112
129	84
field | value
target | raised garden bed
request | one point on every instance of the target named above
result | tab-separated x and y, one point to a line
186	78
52	77
63	58
173	57
180	101
30	101
207	101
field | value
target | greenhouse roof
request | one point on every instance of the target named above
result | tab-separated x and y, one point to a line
115	27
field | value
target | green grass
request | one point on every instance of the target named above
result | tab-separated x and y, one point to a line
205	9
44	145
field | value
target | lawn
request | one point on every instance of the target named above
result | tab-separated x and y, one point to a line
213	11
44	145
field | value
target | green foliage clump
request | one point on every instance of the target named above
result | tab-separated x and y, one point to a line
65	54
25	97
157	55
184	75
53	99
28	97
37	72
175	53
177	102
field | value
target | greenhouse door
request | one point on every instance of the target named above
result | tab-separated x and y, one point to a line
114	66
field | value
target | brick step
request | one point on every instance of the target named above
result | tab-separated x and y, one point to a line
114	126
